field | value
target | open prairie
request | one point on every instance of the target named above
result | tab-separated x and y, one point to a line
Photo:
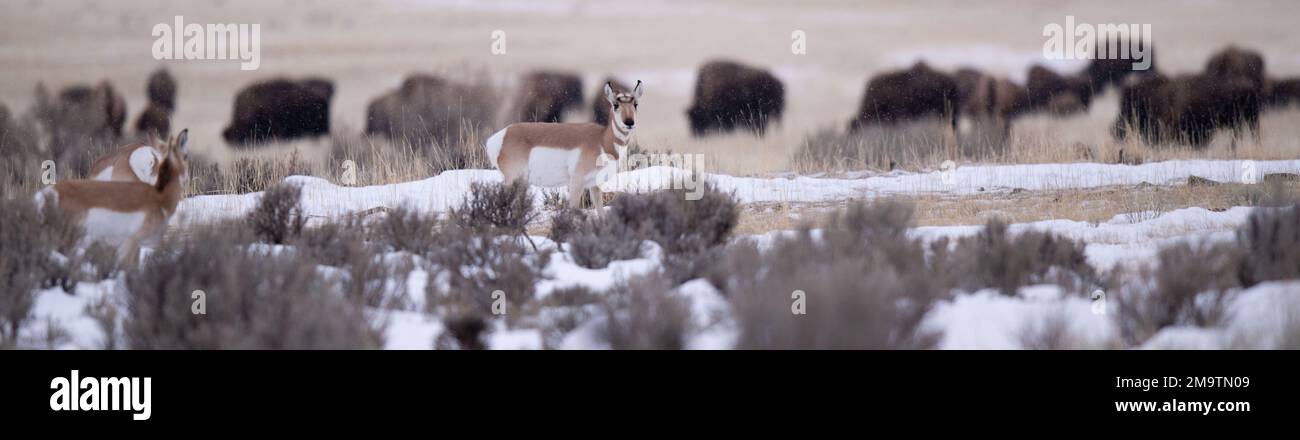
1061	237
368	50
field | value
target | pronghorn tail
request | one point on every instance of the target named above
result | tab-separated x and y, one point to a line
493	146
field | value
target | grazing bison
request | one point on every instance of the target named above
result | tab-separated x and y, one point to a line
600	105
907	95
281	109
545	96
730	95
156	117
990	101
81	115
15	136
1103	72
1187	109
1058	94
1234	62
428	108
1282	93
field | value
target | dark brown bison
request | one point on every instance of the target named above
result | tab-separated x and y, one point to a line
280	109
1283	92
427	108
156	117
730	95
545	96
1103	72
906	95
600	105
14	136
1056	93
161	89
1187	109
81	115
1234	62
990	101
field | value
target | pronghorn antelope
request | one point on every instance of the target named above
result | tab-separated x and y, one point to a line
559	154
133	162
125	214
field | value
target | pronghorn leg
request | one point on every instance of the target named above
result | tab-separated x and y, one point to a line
128	253
575	194
596	200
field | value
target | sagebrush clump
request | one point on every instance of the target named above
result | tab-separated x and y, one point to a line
1190	286
493	206
996	258
861	284
691	232
37	243
644	314
468	266
1270	244
253	298
278	216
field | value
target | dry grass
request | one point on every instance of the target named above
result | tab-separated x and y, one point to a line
1033	139
367	51
1094	205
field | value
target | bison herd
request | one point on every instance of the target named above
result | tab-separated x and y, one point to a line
1228	93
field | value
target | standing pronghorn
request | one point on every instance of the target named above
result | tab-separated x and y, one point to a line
559	154
125	213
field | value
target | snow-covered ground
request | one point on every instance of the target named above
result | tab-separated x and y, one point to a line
976	320
447	190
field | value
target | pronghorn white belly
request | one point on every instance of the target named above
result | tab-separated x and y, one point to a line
552	166
112	227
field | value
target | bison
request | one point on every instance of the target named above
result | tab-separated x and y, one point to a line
1282	93
545	96
16	134
81	115
1112	70
156	117
1056	93
427	108
600	105
1234	62
989	101
280	109
729	95
1188	108
906	95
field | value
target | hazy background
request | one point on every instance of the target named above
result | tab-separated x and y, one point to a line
368	47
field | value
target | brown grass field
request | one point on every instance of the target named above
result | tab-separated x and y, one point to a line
367	51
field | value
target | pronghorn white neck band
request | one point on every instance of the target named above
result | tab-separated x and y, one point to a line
620	134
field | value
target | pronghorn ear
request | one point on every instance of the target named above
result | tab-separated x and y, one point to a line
637	91
182	143
609	93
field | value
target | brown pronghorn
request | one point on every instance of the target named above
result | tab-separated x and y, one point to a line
560	154
125	214
133	162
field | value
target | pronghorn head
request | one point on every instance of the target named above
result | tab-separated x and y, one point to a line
623	103
175	156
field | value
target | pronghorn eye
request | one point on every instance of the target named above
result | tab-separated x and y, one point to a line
615	106
636	105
